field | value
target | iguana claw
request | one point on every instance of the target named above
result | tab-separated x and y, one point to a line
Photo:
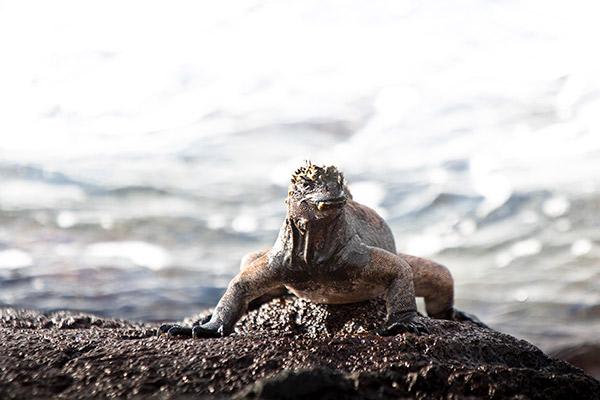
412	325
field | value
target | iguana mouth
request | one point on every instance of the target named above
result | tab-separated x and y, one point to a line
330	203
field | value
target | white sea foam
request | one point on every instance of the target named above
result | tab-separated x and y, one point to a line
23	194
581	247
66	219
523	248
436	87
244	223
556	206
135	252
14	258
369	193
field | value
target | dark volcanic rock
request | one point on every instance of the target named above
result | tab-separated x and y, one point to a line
289	348
585	356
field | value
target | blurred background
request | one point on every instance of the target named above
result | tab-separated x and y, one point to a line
146	146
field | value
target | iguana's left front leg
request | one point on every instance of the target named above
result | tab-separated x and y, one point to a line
434	283
395	274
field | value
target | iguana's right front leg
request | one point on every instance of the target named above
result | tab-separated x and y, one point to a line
271	294
256	279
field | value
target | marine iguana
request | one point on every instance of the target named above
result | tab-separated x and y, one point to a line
333	250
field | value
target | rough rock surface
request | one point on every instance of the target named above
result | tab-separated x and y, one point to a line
288	348
584	355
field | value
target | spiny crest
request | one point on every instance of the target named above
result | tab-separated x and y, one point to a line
311	175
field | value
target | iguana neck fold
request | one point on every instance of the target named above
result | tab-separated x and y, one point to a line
317	241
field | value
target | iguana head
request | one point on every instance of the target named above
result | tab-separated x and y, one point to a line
317	192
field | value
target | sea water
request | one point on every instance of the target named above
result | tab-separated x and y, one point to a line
144	149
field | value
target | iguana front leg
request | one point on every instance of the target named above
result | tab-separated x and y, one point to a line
271	294
434	283
259	277
395	274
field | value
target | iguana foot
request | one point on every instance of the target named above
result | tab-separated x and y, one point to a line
466	317
174	330
196	331
203	320
178	330
411	324
202	331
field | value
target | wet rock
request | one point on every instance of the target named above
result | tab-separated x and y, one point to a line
288	348
585	356
320	383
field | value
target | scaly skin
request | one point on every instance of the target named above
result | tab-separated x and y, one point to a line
333	250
